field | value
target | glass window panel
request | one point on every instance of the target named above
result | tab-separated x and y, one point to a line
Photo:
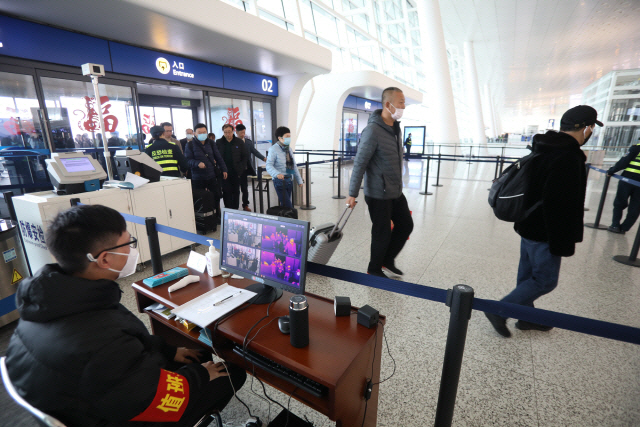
274	20
19	122
326	26
77	115
237	3
262	120
182	119
273	6
148	119
163	114
307	16
290	9
231	111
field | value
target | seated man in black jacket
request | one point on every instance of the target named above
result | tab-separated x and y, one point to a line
80	356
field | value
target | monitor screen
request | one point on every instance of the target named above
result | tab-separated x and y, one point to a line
270	250
77	164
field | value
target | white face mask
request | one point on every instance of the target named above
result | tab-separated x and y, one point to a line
130	267
189	135
398	114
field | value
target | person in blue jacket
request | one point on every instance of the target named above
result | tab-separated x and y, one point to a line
282	167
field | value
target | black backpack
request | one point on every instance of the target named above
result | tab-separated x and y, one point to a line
509	195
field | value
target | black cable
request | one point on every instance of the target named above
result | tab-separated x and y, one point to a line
288	406
384	335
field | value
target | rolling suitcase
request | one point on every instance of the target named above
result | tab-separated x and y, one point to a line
204	205
325	239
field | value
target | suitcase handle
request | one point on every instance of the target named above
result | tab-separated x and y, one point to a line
338	226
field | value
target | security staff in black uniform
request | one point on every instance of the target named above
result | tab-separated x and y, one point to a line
168	155
628	195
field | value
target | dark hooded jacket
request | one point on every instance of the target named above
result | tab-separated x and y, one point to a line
379	160
80	356
560	181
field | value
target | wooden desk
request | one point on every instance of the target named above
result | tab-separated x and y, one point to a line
339	355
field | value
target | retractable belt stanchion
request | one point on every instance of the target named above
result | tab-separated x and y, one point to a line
501	165
632	259
426	180
307	183
333	164
339	196
154	245
603	197
437	184
261	197
460	301
495	174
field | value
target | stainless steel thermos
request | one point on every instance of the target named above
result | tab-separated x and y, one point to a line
299	321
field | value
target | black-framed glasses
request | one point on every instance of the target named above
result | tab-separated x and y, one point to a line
133	243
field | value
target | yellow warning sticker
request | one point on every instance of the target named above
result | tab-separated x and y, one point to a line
16	277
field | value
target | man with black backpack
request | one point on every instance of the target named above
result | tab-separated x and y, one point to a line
551	230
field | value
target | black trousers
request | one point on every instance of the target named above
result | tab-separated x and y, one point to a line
245	188
231	191
627	196
215	394
387	244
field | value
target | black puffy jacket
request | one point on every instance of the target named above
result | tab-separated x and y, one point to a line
560	181
81	356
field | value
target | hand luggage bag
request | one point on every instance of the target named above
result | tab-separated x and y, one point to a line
325	239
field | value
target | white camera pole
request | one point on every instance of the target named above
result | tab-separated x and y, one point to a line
107	153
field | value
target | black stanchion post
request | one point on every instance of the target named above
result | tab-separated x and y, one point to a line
426	180
333	164
74	201
460	300
603	197
437	184
632	259
261	196
8	199
339	196
307	183
501	164
154	245
495	174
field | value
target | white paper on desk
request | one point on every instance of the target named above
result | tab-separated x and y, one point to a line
197	261
136	180
201	310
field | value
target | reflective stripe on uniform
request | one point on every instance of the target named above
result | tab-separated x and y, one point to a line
634	165
169	169
164	162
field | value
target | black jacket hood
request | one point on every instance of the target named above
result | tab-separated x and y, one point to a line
52	294
376	117
552	140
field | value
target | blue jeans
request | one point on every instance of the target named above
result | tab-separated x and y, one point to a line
537	273
284	188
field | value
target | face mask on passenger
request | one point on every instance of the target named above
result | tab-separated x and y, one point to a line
202	136
286	141
189	136
398	114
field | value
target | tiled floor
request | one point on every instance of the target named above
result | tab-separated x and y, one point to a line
556	378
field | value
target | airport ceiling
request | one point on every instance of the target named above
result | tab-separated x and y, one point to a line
535	54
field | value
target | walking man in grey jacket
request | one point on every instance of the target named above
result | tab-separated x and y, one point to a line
379	160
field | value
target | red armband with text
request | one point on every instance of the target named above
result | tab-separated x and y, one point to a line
170	401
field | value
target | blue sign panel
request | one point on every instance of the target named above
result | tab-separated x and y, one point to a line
249	82
351	102
148	63
365	104
27	40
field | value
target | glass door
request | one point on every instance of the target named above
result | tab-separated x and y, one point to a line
233	111
349	133
263	128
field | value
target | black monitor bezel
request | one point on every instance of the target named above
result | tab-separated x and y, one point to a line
267	281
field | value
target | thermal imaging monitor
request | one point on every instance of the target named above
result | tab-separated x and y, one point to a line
270	250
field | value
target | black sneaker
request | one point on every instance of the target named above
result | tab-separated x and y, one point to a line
378	273
616	230
499	324
528	326
392	270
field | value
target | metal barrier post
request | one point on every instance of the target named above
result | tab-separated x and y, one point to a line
596	224
8	199
460	300
495	174
426	180
307	183
339	196
333	164
437	184
632	259
501	164
261	196
154	245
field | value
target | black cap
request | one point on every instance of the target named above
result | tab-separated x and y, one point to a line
579	117
156	129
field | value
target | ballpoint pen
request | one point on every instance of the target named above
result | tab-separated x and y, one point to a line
223	300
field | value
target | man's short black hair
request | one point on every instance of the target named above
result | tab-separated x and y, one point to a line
166	124
198	126
281	131
211	135
240	127
226	125
388	93
81	230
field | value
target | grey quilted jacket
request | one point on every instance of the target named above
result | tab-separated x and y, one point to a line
379	159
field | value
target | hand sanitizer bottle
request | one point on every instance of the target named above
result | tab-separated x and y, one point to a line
213	260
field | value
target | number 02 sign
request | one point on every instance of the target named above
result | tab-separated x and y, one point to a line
267	85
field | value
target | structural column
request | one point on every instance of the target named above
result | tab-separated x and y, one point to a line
493	132
474	92
434	56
